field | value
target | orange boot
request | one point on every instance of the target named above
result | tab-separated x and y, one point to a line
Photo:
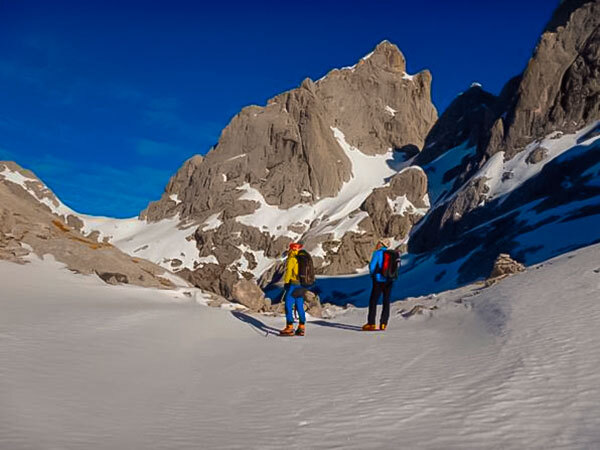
301	329
369	327
383	326
288	330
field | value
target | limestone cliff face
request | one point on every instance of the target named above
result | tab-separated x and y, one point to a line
293	154
286	149
560	88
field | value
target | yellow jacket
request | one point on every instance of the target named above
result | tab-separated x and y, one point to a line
291	268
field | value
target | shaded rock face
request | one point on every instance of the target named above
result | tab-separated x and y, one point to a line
559	91
11	248
560	88
558	204
467	119
113	277
272	275
28	226
447	220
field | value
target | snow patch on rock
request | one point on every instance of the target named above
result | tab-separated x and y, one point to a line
504	177
44	195
212	223
368	172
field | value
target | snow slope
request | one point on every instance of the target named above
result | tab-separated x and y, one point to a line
159	242
84	365
504	177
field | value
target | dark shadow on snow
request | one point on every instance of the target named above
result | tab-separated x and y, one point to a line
255	323
341	326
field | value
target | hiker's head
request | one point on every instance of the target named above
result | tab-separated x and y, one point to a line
383	242
295	246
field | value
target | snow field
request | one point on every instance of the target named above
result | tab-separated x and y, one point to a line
85	365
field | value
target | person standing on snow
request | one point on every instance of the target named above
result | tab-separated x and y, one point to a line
381	283
292	283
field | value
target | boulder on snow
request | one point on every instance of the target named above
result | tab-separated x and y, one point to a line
537	155
312	304
505	265
247	293
416	310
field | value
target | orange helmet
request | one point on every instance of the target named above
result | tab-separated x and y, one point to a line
295	245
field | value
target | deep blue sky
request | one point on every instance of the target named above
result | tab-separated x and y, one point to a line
105	99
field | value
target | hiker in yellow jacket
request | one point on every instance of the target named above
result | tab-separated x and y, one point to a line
292	283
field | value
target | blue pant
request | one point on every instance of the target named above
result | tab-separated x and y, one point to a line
290	301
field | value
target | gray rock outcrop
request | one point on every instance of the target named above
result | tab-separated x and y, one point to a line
505	265
395	208
537	155
28	226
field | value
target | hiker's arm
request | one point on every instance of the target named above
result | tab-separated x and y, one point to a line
374	262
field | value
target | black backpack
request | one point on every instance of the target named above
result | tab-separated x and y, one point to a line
306	269
390	266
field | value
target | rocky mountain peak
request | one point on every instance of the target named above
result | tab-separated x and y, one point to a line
559	89
388	56
287	150
562	14
466	120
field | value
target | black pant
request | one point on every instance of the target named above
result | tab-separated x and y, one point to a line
384	287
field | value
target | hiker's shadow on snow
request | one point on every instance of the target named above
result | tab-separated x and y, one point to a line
255	323
341	326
